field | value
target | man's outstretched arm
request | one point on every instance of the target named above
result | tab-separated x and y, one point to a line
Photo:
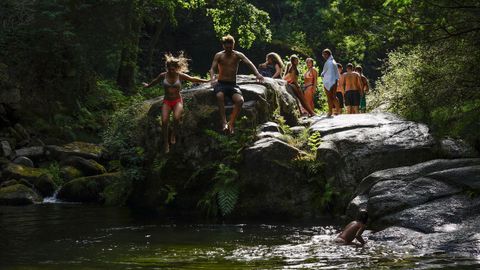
213	67
251	65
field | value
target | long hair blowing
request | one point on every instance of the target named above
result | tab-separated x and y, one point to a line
180	62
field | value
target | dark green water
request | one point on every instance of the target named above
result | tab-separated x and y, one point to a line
69	236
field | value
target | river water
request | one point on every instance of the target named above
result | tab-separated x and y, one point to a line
74	236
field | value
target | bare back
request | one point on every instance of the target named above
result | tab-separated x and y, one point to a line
227	64
341	81
351	231
352	81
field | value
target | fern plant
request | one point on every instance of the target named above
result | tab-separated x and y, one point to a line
314	141
223	196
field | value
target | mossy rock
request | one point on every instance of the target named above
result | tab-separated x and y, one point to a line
87	189
87	167
18	194
17	171
42	181
80	149
69	173
8	183
84	147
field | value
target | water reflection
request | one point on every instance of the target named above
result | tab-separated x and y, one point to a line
78	237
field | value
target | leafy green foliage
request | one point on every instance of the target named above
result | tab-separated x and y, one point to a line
170	193
121	141
53	170
314	141
117	192
437	90
225	192
223	195
242	19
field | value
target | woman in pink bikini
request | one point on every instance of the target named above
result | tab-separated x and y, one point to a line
172	100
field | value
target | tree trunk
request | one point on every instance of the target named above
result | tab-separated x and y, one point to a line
128	58
159	26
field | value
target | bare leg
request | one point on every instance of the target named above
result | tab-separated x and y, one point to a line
221	110
329	101
177	116
237	107
354	109
340	109
165	119
300	96
333	96
309	96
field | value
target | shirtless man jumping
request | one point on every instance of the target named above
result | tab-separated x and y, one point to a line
226	84
353	89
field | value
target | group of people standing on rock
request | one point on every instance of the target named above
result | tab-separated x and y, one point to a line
350	86
342	89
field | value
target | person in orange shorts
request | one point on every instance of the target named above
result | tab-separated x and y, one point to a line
172	100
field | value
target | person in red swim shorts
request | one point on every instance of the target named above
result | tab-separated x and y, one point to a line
172	101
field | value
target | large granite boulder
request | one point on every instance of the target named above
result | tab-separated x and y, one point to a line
423	197
18	194
201	113
454	239
274	186
358	145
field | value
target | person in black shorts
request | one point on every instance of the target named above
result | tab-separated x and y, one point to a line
227	62
227	88
352	84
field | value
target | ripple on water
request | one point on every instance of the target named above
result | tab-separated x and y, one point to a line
78	237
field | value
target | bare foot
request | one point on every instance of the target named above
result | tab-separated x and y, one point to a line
225	128
173	140
166	148
231	129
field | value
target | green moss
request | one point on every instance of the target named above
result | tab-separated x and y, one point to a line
87	189
19	171
84	147
69	173
117	192
18	194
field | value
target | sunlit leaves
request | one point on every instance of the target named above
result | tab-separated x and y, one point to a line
241	19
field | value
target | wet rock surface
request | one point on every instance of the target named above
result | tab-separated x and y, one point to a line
438	200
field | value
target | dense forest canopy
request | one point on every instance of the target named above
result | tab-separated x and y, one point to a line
60	54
